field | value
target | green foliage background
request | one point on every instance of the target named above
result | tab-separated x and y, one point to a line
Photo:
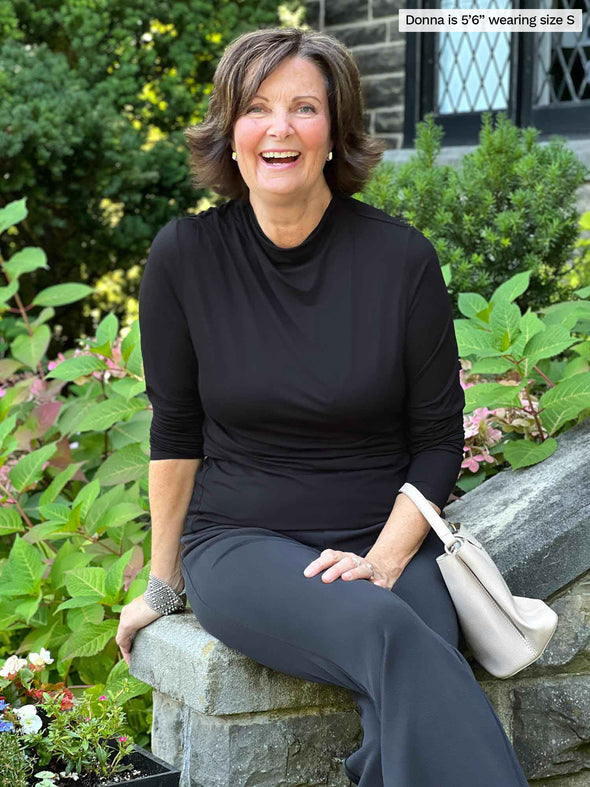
94	97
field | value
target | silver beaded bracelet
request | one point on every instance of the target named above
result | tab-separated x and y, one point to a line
161	597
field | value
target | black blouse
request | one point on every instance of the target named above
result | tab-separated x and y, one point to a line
314	380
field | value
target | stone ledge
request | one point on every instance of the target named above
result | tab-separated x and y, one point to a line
218	680
535	522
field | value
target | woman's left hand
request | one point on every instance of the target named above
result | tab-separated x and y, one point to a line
344	565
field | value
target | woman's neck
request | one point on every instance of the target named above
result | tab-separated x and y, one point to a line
290	224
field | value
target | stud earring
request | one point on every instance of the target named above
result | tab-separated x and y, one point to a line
234	155
329	156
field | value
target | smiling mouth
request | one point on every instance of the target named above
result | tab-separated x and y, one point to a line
281	160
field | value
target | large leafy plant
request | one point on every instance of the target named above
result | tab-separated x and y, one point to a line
73	481
509	206
552	392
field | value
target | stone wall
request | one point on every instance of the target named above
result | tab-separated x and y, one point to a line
370	29
227	721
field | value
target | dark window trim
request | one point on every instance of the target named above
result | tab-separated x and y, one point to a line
463	128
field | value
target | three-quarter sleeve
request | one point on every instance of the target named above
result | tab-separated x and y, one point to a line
434	397
169	359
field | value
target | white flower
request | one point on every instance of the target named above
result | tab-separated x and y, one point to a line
29	721
12	665
40	659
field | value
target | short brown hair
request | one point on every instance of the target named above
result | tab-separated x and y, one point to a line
355	152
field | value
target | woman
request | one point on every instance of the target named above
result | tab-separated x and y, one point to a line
301	361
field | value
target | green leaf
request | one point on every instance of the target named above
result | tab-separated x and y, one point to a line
49	636
90	639
545	344
564	401
130	340
79	601
13	213
59	482
46	531
8	366
573	367
115	681
86	497
528	326
30	349
60	294
23	569
473	341
492	395
135	361
27	609
471	304
512	288
109	412
114	578
582	349
68	557
80	366
10	521
490	366
72	413
567	313
6	427
31	258
29	469
115	495
93	614
107	329
56	511
128	464
117	515
44	316
6	293
504	322
89	581
135	430
128	387
523	453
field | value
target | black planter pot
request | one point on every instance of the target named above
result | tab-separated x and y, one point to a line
154	771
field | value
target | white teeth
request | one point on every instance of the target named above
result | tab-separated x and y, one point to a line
286	154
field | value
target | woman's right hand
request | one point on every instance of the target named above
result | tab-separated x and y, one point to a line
133	616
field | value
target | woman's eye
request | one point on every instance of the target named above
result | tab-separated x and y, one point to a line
305	106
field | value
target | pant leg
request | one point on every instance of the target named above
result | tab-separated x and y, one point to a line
425	718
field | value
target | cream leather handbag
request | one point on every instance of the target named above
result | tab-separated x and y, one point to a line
505	633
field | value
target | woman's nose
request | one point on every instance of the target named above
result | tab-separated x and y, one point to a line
279	123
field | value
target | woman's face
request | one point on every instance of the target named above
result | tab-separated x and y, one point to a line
289	113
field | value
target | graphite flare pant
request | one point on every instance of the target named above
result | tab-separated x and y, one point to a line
426	721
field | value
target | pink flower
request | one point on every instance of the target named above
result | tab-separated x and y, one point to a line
103	697
471	462
122	738
52	364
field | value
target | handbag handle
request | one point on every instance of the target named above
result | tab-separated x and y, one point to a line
438	524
